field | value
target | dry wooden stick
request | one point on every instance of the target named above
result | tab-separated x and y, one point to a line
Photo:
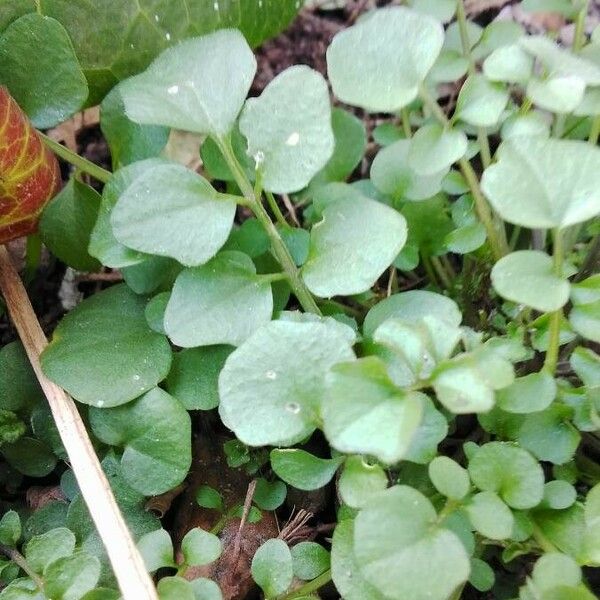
127	564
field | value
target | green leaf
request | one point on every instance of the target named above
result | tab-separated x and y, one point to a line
42	550
432	430
350	139
40	69
412	306
19	387
559	178
559	495
352	246
586	363
345	568
272	385
272	568
490	516
155	312
360	480
302	470
559	94
399	545
527	277
392	175
104	353
185	87
585	314
175	588
528	394
194	376
171	211
449	478
442	10
155	433
207	497
434	148
128	141
215	164
288	129
71	577
508	64
364	413
481	102
510	471
309	560
29	456
67	223
269	495
156	549
200	547
482	576
154	273
10	528
11	427
554	570
205	589
533	123
363	65
222	302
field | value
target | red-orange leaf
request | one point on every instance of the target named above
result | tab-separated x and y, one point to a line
29	172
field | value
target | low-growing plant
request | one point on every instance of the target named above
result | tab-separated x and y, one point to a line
424	340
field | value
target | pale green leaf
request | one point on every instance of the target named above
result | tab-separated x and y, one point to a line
560	93
509	64
490	516
360	480
200	547
302	470
481	102
42	550
70	577
449	478
272	568
156	549
309	560
434	148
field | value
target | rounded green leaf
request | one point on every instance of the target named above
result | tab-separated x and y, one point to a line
509	64
442	10
194	376
155	432
156	549
272	568
155	312
559	495
302	470
481	102
432	430
208	497
29	456
510	471
200	547
172	211
527	277
555	569
10	528
39	66
104	353
533	123
288	129
271	386
434	148
559	94
490	516
309	560
67	223
412	306
528	394
365	413
72	576
449	478
175	588
42	550
198	85
559	178
482	576
269	495
379	63
399	545
205	589
352	246
222	302
360	480
19	387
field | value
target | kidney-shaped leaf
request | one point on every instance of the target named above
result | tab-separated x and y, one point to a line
434	148
288	129
272	386
104	353
155	433
399	545
172	211
527	277
379	63
544	183
303	470
199	85
352	246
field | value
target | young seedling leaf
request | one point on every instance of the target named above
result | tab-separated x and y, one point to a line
309	560
434	148
200	547
272	568
360	480
449	478
156	549
302	470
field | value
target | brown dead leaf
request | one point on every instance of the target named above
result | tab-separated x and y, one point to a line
37	496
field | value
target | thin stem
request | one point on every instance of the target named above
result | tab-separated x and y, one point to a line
276	210
579	36
271	277
280	250
591	263
38	7
542	541
19	560
595	131
441	272
78	161
556	317
309	587
405	115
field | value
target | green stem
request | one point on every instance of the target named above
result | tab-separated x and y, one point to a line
556	317
280	250
595	131
271	277
33	255
38	7
309	587
429	270
457	593
276	210
542	541
591	263
405	114
78	161
441	272
20	561
579	36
